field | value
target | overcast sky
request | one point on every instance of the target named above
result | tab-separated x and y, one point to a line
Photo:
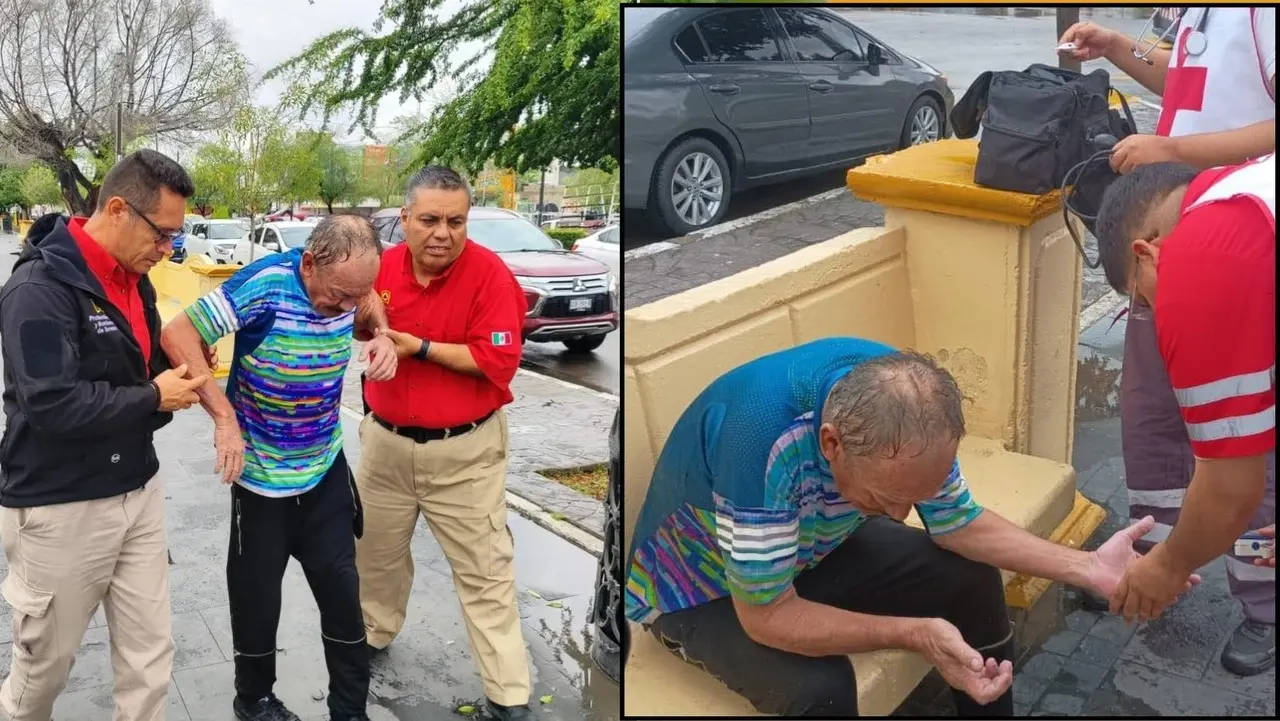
271	31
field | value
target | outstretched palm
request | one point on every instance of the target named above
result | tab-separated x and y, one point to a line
1114	557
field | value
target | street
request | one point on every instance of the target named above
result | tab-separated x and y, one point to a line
988	39
600	370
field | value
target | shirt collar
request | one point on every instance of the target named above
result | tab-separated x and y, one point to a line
101	263
408	263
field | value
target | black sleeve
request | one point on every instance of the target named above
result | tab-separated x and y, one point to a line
38	334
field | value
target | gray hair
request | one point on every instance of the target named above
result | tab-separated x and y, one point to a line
435	177
339	237
894	402
1125	214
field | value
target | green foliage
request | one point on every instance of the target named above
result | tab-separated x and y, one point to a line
551	92
11	188
40	187
566	236
339	176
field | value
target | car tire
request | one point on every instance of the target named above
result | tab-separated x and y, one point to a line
688	150
585	344
923	106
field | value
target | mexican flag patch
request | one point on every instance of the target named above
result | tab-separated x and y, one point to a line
501	338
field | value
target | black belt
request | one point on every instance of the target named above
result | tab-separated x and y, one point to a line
422	435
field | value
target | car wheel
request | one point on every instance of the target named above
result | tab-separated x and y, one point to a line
691	186
924	123
585	344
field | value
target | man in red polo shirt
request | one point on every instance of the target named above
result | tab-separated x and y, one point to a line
435	440
85	389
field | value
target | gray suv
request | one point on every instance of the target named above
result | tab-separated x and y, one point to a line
722	99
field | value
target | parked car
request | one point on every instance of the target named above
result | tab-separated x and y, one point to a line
603	246
287	215
206	235
1162	22
572	298
271	238
718	100
612	639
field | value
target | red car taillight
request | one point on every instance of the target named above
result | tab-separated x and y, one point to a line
574	249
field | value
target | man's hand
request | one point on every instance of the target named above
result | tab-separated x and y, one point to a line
1108	564
210	356
406	343
382	355
1137	150
177	391
1091	41
1151	584
229	444
963	667
1269	532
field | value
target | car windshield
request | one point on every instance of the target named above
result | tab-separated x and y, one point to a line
504	235
295	237
224	231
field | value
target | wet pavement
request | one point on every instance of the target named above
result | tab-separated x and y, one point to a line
428	671
1092	664
989	41
599	370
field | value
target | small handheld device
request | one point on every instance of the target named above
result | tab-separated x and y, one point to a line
1255	545
1066	47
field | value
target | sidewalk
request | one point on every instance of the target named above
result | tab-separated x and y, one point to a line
428	671
1095	664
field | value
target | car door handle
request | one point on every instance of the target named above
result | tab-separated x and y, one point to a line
821	86
725	88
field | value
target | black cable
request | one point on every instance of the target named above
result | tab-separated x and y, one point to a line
1073	174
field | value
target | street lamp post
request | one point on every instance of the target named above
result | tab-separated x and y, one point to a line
1067	16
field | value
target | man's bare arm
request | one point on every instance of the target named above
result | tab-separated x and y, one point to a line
1223	496
182	343
1229	147
993	540
791	623
371	316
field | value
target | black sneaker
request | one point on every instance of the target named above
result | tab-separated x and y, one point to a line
267	708
508	713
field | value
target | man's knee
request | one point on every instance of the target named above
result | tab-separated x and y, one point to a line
979	608
824	687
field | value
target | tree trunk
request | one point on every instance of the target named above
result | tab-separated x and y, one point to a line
329	204
72	182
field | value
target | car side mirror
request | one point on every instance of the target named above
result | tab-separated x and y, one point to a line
272	245
875	54
200	236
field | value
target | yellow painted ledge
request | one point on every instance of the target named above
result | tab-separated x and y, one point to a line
938	177
1022	591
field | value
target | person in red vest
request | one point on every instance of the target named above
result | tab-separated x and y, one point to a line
1217	86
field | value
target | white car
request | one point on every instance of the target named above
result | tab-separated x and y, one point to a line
206	235
278	237
602	245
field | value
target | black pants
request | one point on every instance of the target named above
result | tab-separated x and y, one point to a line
885	568
318	529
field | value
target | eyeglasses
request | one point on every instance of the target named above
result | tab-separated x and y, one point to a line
162	236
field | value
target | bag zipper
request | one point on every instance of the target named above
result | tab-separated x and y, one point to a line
239	535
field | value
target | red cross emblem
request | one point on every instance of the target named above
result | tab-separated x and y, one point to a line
1183	87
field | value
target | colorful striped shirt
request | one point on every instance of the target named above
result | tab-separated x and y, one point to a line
742	500
286	372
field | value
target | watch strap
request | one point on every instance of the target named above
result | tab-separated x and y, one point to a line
422	352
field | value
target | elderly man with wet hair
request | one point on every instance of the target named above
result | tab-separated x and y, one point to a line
1197	251
278	436
771	545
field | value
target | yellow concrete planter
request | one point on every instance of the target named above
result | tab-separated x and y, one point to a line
178	285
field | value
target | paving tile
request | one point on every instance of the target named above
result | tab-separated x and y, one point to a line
1078	676
1262	686
193	642
1081	620
1113	629
1137	690
98	702
1063	642
1061	704
1027	690
1096	651
1184	638
1042	664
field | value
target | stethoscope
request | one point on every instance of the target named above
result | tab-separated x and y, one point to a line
1196	41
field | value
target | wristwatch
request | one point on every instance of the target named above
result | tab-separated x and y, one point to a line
422	352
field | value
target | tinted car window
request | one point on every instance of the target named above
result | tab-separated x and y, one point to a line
609	236
739	36
820	39
505	235
690	43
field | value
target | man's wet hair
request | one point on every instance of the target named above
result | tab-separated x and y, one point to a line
140	175
338	237
1125	214
435	177
903	402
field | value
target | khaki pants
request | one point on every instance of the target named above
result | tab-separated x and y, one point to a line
66	559
459	484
